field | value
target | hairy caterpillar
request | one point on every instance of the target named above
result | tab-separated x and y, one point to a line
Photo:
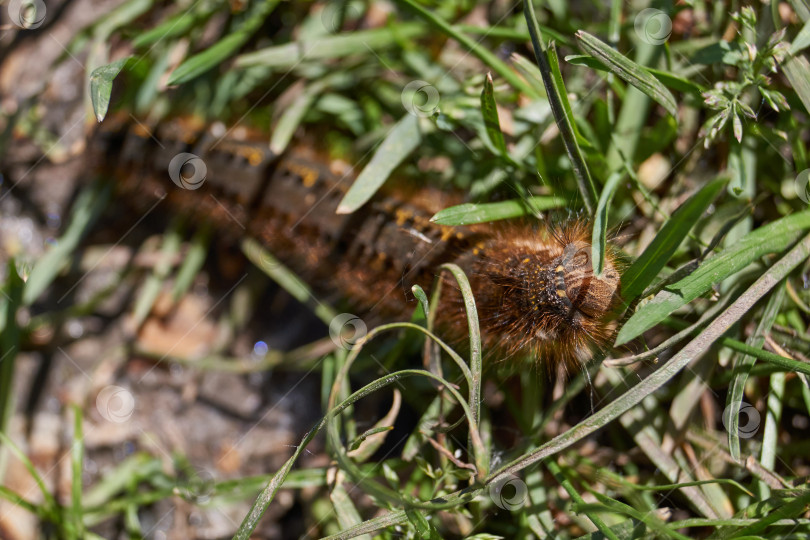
533	285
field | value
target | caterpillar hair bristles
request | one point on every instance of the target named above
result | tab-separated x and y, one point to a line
537	296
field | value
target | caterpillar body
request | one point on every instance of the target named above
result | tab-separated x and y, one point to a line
534	287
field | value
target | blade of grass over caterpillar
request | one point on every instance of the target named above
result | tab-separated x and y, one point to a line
89	205
286	279
469	213
646	268
695	348
600	219
743	364
771	238
628	71
398	144
101	81
555	90
201	62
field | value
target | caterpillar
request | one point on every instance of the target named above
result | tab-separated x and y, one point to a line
533	284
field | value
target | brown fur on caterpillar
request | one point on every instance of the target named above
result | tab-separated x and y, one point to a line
533	286
537	295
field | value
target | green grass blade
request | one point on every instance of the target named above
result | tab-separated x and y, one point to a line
77	468
671	80
802	39
600	219
286	279
360	42
398	144
483	54
153	284
558	99
788	510
489	111
176	25
469	213
17	500
628	71
742	367
291	118
49	505
119	17
346	512
677	82
555	470
797	71
192	262
773	415
771	238
225	48
101	81
10	300
645	269
476	366
89	205
530	72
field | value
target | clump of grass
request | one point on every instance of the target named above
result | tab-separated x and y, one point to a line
695	427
